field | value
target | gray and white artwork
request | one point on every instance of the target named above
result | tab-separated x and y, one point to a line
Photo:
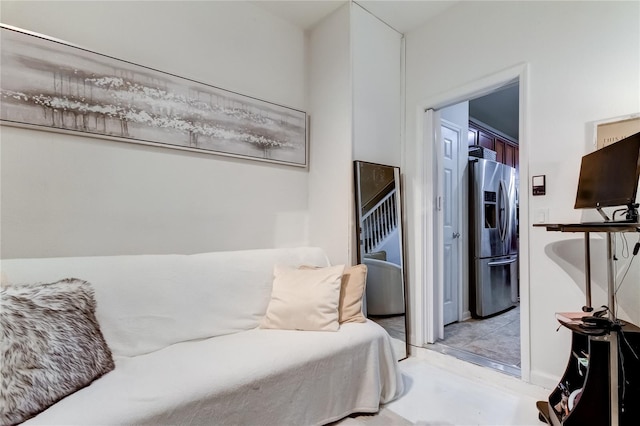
52	85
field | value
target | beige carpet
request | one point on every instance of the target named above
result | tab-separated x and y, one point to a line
384	417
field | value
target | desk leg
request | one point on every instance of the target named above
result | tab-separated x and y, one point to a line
613	378
611	281
587	273
613	336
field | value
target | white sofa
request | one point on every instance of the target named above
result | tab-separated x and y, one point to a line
183	331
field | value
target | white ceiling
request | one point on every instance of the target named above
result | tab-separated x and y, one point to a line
303	14
405	16
499	110
402	15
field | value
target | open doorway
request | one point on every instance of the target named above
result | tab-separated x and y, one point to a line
478	301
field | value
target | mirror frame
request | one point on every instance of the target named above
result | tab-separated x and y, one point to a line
397	176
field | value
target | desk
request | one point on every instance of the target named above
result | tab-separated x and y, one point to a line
609	228
603	351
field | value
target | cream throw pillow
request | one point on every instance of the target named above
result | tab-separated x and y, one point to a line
352	287
304	299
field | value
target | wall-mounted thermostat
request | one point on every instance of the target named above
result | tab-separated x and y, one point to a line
539	185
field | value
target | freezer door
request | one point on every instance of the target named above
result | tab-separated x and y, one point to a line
495	280
486	222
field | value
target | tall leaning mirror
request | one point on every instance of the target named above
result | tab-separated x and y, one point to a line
381	248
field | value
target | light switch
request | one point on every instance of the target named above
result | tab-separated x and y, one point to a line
541	215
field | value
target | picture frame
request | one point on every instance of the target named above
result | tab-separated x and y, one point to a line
52	85
614	129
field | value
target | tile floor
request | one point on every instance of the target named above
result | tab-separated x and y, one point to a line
442	390
496	338
492	342
395	325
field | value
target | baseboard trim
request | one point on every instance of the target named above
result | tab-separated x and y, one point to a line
544	380
484	374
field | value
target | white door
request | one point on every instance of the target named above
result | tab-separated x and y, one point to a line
443	246
451	137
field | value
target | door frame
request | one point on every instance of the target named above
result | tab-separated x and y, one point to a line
428	270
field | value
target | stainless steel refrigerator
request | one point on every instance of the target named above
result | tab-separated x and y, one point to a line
494	239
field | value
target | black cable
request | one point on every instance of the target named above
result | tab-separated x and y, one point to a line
635	355
617	211
636	249
625	274
624	381
625	246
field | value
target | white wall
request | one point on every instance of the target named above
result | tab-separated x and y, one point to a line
72	195
583	65
331	205
377	74
355	100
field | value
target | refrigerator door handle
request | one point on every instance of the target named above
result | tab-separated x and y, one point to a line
502	262
507	209
502	211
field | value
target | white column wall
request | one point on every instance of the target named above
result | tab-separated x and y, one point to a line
330	172
377	76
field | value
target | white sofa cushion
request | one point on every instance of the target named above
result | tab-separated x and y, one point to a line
148	302
257	377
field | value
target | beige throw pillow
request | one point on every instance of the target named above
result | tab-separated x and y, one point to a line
304	299
351	291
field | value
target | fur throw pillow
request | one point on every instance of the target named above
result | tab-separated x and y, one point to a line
50	346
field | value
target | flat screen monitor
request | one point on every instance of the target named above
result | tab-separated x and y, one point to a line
609	176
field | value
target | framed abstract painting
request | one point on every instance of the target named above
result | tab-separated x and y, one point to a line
52	85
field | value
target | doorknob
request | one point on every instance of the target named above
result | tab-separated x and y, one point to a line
456	235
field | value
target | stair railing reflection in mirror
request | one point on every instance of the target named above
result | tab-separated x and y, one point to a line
380	240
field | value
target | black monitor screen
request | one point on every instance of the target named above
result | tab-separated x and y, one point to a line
609	176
